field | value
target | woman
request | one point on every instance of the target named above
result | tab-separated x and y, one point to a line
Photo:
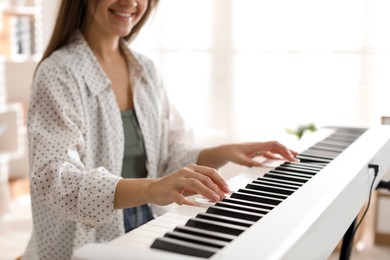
103	137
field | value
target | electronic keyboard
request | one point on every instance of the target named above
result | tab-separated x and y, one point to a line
284	210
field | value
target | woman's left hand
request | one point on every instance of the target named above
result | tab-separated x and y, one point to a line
245	153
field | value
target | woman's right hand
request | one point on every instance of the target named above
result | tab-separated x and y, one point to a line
189	180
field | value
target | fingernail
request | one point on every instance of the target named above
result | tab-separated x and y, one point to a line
226	188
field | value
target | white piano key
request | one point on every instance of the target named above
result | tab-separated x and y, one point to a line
131	241
240	181
235	185
152	227
174	219
141	240
144	232
160	222
99	251
256	172
272	163
189	210
250	176
143	236
203	202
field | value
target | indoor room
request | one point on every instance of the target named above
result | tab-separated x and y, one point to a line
304	73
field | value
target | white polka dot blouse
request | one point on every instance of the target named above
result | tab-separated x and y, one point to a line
76	144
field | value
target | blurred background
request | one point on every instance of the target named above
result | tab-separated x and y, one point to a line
237	70
241	69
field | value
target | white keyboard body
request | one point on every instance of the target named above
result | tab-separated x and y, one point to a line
306	225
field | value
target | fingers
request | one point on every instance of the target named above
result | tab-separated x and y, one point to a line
208	191
271	156
213	174
181	200
205	181
247	160
271	150
193	179
276	147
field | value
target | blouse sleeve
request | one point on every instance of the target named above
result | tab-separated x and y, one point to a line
56	147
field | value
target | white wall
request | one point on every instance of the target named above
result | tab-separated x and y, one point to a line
49	14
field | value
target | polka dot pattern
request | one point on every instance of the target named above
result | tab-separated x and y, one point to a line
76	143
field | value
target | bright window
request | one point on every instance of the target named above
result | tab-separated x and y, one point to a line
247	70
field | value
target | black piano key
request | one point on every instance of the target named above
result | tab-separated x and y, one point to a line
294	169
205	233
334	144
230	205
291	173
300	167
256	198
249	203
304	165
182	247
324	155
349	130
225	219
340	137
274	184
307	158
320	147
215	226
277	181
343	136
322	164
270	188
265	194
196	239
286	177
235	213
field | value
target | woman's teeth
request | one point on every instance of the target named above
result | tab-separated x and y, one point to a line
125	15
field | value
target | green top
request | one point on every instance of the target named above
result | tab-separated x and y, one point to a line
134	156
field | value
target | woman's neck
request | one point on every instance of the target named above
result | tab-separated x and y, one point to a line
105	47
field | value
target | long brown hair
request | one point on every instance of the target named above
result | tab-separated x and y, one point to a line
71	18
